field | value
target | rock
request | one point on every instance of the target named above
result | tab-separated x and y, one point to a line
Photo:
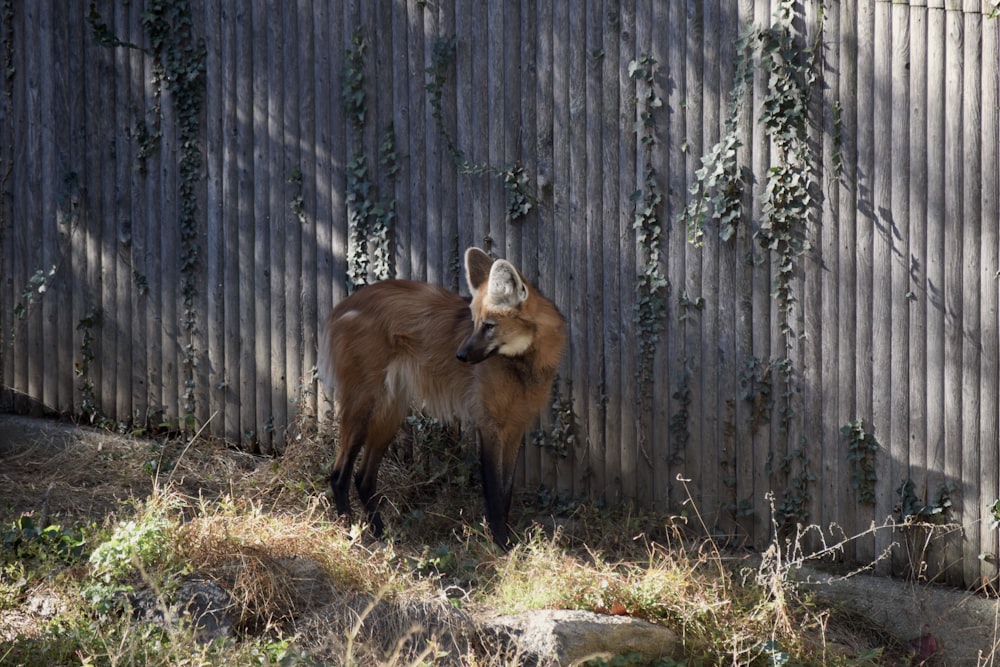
941	626
562	637
204	605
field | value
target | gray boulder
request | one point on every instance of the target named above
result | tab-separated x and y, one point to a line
563	637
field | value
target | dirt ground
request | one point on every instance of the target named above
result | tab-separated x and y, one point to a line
65	474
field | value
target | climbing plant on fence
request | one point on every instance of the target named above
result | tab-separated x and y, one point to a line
788	67
370	220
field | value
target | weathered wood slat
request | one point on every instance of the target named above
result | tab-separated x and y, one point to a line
214	254
760	294
884	240
866	243
304	219
971	323
917	294
989	488
846	267
537	461
938	413
561	223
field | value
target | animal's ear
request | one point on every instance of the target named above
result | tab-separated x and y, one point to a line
506	287
477	267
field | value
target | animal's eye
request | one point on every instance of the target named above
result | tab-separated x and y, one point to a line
488	327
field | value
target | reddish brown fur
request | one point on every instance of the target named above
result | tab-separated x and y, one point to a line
399	343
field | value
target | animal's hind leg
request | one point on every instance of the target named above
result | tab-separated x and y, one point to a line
353	432
381	431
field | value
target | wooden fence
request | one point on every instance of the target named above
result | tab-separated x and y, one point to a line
184	184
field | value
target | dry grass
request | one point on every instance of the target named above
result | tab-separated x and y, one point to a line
303	583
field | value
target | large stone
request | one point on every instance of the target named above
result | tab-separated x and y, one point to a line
202	604
562	637
940	625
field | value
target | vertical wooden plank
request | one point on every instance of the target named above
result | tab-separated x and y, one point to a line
285	376
969	506
419	132
511	117
6	216
916	261
322	214
135	243
668	495
846	233
171	255
200	372
989	464
260	393
464	118
434	215
527	152
67	200
525	146
154	220
953	268
226	330
17	239
495	130
272	382
570	27
71	102
122	316
304	219
449	176
707	445
727	330
747	505
51	184
881	216
812	437
761	308
34	189
899	236
107	131
401	112
689	289
572	249
866	240
601	445
339	154
827	392
555	246
590	253
657	479
935	248
214	375
536	461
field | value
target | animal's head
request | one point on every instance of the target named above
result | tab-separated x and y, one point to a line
498	293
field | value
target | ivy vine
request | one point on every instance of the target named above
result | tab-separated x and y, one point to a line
178	64
179	61
370	221
651	284
912	508
790	71
862	447
88	400
519	201
561	435
793	508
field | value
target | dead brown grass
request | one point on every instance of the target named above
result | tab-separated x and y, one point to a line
264	531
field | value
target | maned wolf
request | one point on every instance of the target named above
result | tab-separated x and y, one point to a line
489	362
